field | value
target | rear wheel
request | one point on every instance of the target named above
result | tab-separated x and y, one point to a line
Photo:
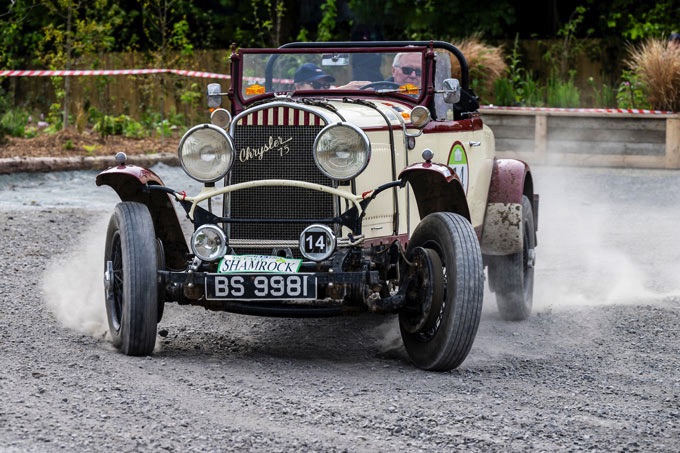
439	324
511	277
130	279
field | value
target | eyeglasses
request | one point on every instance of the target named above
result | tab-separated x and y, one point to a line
319	85
407	70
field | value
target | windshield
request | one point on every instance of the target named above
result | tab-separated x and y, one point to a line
395	71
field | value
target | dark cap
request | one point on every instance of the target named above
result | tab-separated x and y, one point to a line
674	37
309	72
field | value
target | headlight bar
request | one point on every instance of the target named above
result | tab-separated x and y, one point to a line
207	193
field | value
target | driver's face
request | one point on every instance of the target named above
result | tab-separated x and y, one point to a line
408	69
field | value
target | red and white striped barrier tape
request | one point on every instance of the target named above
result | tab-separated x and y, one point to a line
98	72
557	109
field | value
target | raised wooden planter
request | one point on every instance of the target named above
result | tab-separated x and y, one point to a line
582	137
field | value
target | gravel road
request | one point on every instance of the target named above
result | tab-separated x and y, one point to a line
596	366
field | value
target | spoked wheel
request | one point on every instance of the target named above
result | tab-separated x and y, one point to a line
130	279
439	323
511	277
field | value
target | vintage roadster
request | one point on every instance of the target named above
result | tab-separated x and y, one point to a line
339	180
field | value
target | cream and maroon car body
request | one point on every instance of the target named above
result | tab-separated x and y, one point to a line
357	197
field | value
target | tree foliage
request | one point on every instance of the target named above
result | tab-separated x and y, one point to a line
440	19
635	21
152	25
64	34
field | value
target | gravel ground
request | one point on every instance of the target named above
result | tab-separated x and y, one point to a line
594	368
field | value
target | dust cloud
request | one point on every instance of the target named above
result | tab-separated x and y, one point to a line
73	284
605	237
602	240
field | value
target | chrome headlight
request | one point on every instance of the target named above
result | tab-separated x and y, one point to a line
209	242
206	152
342	151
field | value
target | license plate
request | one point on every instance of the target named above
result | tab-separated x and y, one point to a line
260	286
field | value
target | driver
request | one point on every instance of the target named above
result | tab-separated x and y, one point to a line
406	68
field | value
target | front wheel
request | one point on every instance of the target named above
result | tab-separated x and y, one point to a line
439	323
511	277
130	279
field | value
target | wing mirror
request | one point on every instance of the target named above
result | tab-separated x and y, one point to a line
451	91
214	95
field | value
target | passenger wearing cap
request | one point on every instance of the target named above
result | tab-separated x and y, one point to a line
674	39
311	77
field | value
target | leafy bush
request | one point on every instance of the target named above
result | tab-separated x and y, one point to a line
534	94
164	128
4	104
504	92
605	96
519	87
13	122
655	66
563	94
119	125
55	118
632	93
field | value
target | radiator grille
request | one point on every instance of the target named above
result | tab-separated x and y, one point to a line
276	144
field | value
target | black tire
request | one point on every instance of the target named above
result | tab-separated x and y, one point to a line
160	253
130	266
444	344
511	277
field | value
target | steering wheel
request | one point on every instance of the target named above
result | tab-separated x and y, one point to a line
381	84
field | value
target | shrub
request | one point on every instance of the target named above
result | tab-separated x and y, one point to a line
604	96
563	94
517	86
4	105
656	64
123	125
632	94
533	93
504	93
13	122
485	62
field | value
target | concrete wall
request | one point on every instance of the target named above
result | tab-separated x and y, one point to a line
586	137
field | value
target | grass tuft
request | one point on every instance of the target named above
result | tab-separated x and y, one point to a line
656	64
485	62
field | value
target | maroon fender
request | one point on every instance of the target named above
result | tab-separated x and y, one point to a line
129	181
436	188
510	181
120	179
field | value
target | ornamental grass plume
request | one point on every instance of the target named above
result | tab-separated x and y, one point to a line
485	62
656	63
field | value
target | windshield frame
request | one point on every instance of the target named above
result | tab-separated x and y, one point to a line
426	48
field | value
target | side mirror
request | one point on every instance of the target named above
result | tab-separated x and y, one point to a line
451	91
214	95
